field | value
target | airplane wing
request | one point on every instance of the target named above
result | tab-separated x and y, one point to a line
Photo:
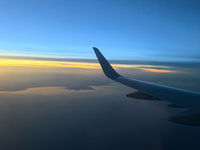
149	91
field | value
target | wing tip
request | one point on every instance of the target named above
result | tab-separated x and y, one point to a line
96	50
105	65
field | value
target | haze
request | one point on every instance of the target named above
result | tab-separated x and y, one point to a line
53	94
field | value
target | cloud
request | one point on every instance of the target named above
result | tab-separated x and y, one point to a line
82	77
79	88
158	70
152	66
46	64
24	81
173	64
176	64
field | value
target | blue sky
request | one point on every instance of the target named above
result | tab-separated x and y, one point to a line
122	29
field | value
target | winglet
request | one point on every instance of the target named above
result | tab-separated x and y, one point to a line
107	68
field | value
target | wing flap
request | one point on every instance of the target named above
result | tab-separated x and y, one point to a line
143	96
174	106
187	117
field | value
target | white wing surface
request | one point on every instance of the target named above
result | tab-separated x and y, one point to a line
150	91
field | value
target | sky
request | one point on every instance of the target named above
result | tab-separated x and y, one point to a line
165	30
53	93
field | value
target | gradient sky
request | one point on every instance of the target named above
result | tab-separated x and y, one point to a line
123	29
53	93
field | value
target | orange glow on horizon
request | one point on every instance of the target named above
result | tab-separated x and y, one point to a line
46	64
158	70
49	64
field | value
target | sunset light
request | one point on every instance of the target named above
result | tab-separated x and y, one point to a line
46	64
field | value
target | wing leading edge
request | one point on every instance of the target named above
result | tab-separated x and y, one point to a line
146	90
